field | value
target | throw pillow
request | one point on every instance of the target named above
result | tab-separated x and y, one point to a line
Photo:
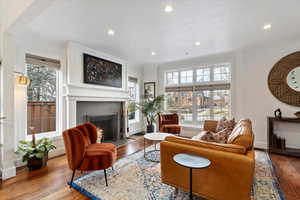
221	136
225	124
204	135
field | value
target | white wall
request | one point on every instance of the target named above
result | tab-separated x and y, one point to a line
41	47
137	72
251	97
75	76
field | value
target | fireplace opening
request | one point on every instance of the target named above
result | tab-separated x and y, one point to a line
109	124
108	116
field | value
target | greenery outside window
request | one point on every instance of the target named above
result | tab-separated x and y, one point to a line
133	87
207	97
41	94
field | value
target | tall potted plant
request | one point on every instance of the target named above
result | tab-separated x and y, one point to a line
150	108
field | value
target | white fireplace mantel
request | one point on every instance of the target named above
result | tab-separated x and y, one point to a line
74	93
91	92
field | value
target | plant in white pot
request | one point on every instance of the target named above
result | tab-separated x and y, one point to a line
150	108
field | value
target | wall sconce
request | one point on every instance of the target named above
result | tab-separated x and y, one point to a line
22	80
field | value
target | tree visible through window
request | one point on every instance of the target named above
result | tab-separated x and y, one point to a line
41	96
133	88
207	97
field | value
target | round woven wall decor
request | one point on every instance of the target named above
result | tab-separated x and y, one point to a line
284	79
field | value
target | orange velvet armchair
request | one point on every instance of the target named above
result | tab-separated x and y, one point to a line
84	153
169	123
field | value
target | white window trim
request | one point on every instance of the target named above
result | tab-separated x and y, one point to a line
195	83
50	134
137	112
194	69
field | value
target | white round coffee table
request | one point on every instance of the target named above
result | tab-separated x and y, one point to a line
155	137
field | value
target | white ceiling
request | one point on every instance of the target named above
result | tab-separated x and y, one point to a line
142	26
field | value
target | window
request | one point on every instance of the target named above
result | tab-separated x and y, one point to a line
133	88
186	76
220	107
203	100
221	72
198	102
172	78
203	75
41	94
186	108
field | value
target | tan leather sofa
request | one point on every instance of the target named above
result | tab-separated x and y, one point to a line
231	173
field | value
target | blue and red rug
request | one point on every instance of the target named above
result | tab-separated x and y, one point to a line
134	178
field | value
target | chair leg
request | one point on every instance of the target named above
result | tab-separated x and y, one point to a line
105	177
72	178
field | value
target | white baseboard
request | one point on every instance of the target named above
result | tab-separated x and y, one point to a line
136	131
260	145
7	173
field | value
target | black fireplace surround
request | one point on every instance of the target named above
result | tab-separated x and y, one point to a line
109	123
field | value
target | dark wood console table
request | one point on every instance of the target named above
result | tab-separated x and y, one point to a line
272	147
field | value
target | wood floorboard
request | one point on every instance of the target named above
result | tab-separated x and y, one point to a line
49	183
288	173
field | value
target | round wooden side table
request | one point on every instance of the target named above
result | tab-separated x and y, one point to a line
192	162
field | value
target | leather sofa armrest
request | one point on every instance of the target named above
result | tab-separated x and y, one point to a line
210	145
210	125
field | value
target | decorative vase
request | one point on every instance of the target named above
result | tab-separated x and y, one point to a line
150	128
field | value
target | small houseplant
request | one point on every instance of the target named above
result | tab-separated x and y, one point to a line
35	152
150	108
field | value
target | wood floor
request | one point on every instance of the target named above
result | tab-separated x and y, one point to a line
288	173
50	182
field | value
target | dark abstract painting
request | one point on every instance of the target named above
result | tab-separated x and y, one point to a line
99	71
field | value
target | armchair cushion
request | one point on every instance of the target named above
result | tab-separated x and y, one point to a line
84	153
171	128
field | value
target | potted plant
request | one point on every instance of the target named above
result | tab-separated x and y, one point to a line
35	153
150	108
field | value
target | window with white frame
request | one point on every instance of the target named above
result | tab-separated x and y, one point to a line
221	72
186	76
133	88
203	75
172	78
42	94
208	97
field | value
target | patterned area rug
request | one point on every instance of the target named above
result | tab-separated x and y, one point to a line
134	178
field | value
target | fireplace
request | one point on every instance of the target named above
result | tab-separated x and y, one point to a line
110	124
108	116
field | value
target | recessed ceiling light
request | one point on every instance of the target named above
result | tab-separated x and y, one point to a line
153	53
197	43
267	26
110	32
168	8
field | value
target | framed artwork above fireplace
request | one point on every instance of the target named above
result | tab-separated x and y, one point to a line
103	72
